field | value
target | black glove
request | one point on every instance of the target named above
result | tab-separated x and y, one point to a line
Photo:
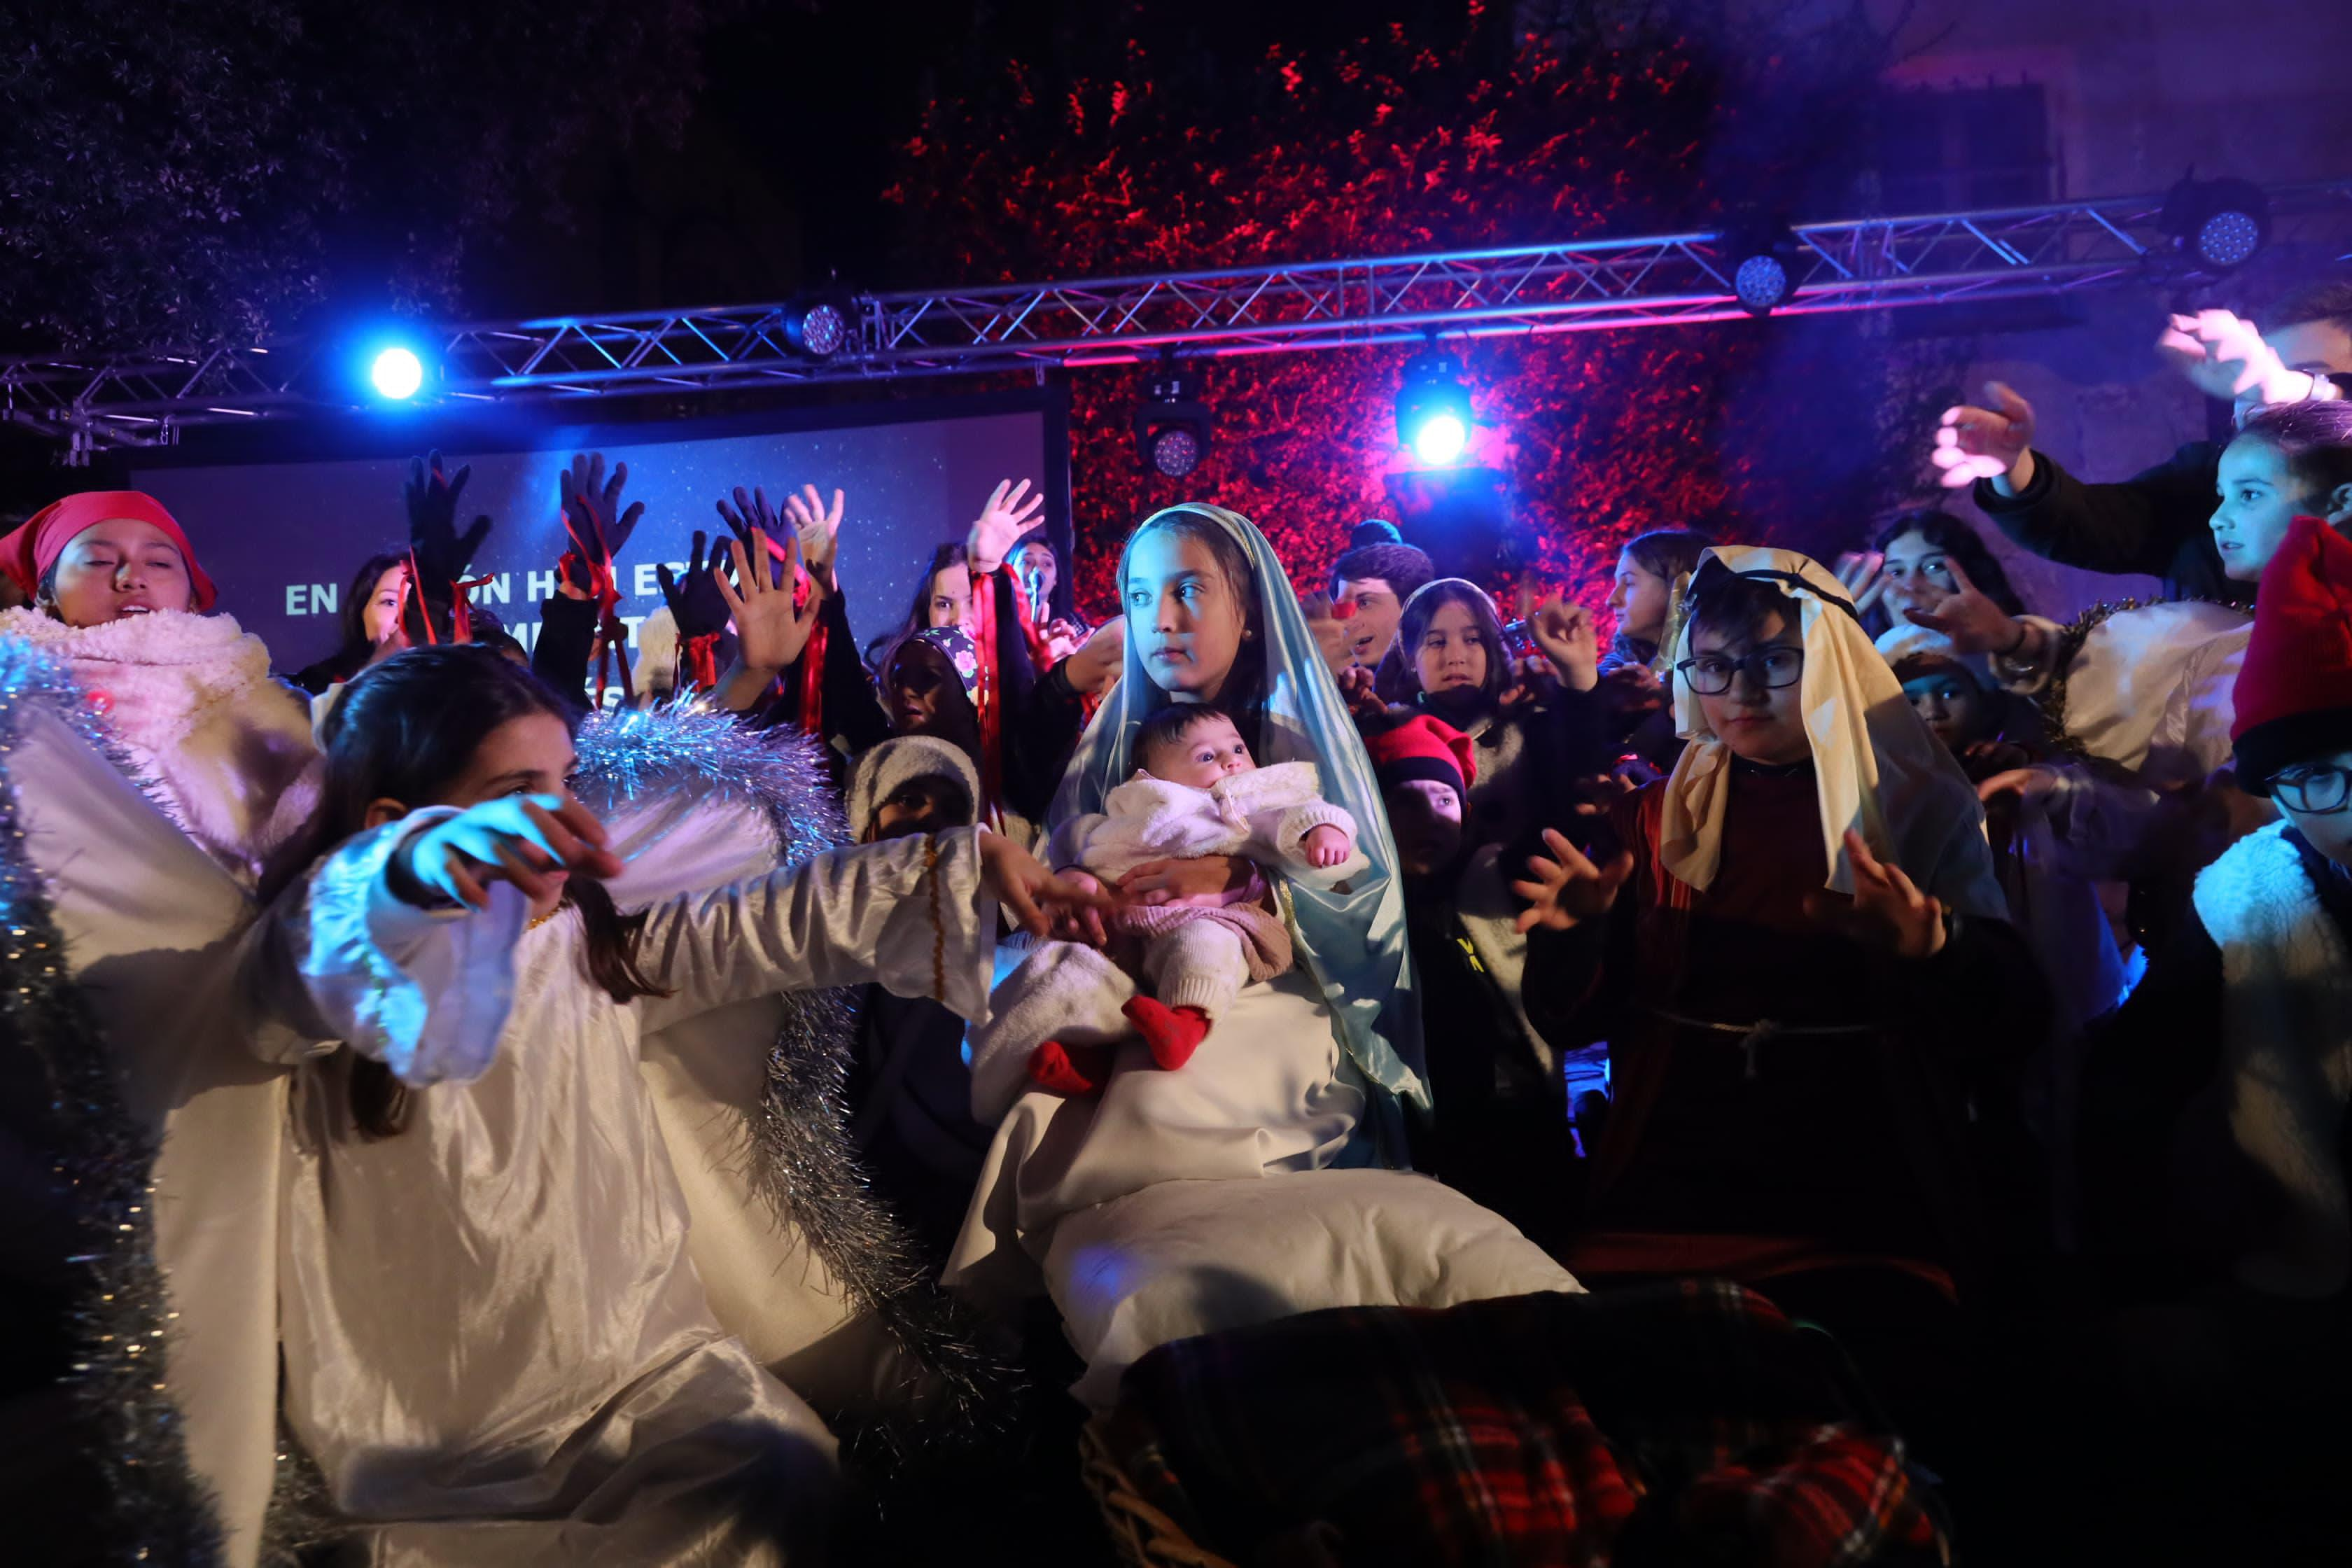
442	552
752	511
593	505
695	603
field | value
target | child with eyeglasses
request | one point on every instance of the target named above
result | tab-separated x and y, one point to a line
1803	965
2215	1108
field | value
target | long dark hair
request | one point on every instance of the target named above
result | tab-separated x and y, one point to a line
1667	552
1413	625
1242	696
919	614
405	731
1957	541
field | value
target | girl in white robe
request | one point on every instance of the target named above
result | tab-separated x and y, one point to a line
495	1346
1314	1068
118	599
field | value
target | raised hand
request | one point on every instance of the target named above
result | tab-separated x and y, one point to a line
592	504
750	512
521	840
1971	620
771	631
1564	630
2224	356
1886	911
1994	442
431	494
819	527
1029	894
696	602
1329	630
1568	889
1010	512
1863	575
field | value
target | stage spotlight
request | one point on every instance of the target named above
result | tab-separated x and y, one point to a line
818	327
1763	252
1172	426
2221	223
1434	409
1761	282
396	374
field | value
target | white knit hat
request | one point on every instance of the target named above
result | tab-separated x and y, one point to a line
881	768
1904	640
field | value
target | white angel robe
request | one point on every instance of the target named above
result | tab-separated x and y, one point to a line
496	1345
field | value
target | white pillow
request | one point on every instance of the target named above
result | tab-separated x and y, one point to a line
1191	1258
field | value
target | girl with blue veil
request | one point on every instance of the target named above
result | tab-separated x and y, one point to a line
1318	1065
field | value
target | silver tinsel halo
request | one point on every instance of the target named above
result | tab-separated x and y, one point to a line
802	1162
123	1419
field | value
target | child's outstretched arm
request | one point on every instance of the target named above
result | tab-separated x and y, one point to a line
916	914
401	942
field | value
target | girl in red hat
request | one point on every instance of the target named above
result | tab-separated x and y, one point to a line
119	596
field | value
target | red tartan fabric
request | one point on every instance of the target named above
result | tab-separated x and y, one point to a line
1674	1423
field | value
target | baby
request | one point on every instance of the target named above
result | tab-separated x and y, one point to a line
1198	793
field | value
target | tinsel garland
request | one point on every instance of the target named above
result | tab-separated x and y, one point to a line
803	1162
124	1420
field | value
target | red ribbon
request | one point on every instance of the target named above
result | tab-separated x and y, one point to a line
985	698
702	660
813	684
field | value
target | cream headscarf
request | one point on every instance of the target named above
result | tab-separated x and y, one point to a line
1877	767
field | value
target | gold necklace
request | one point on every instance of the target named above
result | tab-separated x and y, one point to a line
539	921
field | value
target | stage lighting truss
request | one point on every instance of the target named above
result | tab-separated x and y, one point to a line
1520	290
1433	408
1172	425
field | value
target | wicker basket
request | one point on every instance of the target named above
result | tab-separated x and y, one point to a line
1145	1537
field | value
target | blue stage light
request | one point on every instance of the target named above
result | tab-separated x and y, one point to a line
1434	415
1440	439
396	374
1761	283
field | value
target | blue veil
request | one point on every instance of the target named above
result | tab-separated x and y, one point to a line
1353	944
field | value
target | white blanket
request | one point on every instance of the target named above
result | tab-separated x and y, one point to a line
1261	1097
1193	1258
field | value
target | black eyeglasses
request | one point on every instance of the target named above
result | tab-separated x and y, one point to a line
1711	674
2319	790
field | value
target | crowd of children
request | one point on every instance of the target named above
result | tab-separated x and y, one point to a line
1785	938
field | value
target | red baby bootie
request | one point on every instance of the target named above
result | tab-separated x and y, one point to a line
1173	1033
1070	1069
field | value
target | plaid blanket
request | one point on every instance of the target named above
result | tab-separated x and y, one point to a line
1686	1422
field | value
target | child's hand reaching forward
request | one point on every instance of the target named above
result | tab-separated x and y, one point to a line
1325	845
530	840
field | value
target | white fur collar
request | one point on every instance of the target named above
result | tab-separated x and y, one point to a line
2286	1022
192	698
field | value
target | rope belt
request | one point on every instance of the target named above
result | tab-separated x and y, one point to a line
1753	1036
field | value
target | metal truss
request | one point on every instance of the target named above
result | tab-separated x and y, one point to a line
1594	286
